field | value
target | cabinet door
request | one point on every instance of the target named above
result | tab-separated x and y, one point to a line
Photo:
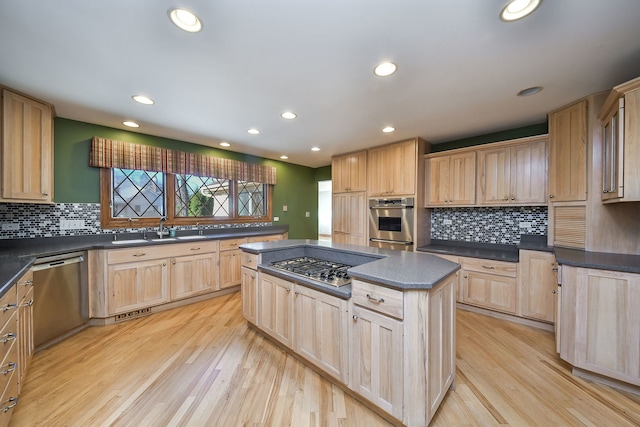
608	323
537	279
568	153
230	268
438	180
529	173
137	285
275	308
489	291
612	172
462	187
25	335
340	213
402	167
349	172
321	330
249	291
376	362
378	172
192	275
494	175
357	218
27	149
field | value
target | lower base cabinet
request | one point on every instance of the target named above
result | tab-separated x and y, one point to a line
249	290
489	284
193	275
600	322
136	285
395	349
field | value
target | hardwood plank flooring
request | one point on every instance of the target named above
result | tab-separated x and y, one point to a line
200	365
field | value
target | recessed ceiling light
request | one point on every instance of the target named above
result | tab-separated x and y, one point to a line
283	157
385	69
225	144
530	91
143	99
518	9
315	148
185	20
253	131
288	115
388	129
131	124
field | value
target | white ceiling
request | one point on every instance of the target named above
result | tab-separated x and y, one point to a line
459	67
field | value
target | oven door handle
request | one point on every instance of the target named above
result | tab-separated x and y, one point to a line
390	207
397	242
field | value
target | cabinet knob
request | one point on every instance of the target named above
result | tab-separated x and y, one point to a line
513	198
505	199
288	289
551	196
164	264
45	194
554	292
355	317
465	276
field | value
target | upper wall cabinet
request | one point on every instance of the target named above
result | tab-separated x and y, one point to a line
451	179
568	153
513	174
27	150
620	118
349	172
392	169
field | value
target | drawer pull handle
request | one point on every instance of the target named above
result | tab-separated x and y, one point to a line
8	337
13	401
11	366
489	267
28	304
195	249
376	300
8	307
28	282
142	254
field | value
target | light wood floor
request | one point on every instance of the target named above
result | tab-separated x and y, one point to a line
201	365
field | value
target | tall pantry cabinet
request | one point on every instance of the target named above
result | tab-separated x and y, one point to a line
349	207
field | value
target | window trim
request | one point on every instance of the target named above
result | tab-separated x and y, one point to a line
106	221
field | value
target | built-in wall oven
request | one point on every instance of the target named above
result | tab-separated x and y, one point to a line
391	223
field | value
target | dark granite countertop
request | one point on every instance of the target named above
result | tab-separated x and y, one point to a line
492	251
18	255
394	269
599	260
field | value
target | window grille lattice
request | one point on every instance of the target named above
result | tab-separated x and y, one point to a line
251	199
137	194
198	196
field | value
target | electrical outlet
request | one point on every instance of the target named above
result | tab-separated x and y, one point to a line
447	222
307	214
525	225
285	208
72	224
276	218
8	226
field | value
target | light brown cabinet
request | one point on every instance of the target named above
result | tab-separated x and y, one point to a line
320	330
137	285
230	262
451	179
392	169
489	284
568	153
25	326
10	341
349	218
537	283
249	290
275	308
515	173
349	172
601	322
26	150
620	118
193	275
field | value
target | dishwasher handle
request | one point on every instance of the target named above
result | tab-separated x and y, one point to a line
58	263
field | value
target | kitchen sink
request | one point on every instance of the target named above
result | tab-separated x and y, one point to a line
126	242
166	239
197	236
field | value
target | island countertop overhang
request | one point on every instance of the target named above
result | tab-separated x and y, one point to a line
394	269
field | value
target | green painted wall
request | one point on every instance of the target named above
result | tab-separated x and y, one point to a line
504	135
76	182
323	173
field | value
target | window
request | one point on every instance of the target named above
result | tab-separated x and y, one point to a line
137	198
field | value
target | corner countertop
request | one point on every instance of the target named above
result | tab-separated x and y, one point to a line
18	255
492	251
599	260
394	269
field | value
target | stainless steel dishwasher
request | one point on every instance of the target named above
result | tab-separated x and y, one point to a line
60	299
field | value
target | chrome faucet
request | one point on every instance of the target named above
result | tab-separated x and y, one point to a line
199	228
161	231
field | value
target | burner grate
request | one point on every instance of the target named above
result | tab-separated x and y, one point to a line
329	272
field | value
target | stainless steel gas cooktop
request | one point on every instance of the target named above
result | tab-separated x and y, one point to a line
328	272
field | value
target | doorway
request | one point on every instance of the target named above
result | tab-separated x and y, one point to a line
324	210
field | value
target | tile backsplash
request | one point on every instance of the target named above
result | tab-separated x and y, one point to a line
502	225
23	220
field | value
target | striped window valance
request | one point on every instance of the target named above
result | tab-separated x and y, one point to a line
109	153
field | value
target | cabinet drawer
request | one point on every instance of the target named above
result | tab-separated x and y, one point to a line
194	248
24	285
378	298
9	398
501	268
231	244
142	253
8	305
250	260
9	359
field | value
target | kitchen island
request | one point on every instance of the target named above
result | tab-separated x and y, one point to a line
388	337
